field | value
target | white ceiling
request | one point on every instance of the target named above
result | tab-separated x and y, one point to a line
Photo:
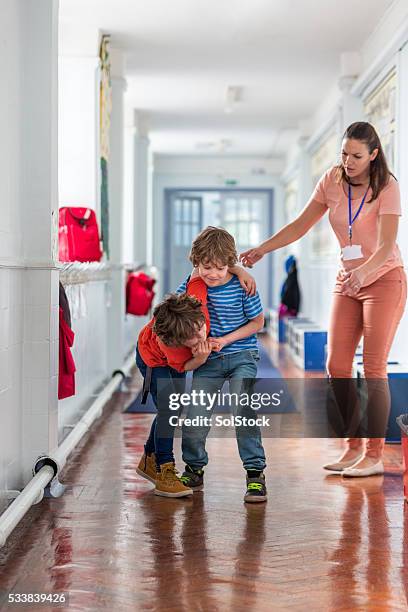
182	55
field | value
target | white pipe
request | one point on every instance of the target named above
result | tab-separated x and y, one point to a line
34	490
28	496
61	454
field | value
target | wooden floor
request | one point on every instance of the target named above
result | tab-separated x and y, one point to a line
320	543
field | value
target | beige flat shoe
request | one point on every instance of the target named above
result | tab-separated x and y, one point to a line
373	470
340	466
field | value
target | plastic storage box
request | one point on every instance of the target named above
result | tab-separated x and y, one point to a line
308	343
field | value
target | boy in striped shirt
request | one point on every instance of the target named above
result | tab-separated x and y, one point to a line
235	318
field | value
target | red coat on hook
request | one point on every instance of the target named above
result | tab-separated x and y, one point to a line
66	378
139	293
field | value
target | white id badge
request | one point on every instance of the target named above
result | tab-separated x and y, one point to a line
352	252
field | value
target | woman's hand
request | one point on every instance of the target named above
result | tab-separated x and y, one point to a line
341	274
352	282
251	257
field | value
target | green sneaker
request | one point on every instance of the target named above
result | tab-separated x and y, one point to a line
256	489
194	479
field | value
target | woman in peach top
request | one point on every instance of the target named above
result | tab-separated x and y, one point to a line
363	200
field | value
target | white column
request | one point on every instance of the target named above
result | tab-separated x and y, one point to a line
116	161
78	150
305	173
303	249
398	350
38	134
402	140
116	212
351	107
141	145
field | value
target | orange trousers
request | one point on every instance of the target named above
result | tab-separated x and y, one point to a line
374	314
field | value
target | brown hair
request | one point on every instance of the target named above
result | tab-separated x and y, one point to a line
379	171
177	318
214	244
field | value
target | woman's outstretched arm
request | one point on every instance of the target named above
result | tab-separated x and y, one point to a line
310	215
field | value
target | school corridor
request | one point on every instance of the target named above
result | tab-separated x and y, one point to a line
127	128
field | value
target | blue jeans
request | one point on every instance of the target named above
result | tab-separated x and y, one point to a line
240	369
160	440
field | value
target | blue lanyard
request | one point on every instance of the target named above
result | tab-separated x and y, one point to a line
352	219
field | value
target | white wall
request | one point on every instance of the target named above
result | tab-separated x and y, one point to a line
399	350
11	108
28	200
78	145
128	189
11	341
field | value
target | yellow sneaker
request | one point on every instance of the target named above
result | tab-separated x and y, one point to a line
168	484
147	467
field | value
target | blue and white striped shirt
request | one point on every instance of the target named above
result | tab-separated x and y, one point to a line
229	308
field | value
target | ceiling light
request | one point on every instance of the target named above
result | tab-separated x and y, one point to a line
233	95
206	145
221	145
224	144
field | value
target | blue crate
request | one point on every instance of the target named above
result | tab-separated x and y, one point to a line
282	330
314	349
308	343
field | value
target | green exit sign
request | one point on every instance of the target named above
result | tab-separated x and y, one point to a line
231	182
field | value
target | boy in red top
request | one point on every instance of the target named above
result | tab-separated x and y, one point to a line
163	356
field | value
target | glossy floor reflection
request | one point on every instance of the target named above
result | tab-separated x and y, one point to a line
320	543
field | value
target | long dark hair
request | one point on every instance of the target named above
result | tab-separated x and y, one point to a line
379	171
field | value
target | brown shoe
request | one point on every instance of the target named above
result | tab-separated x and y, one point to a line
147	467
168	484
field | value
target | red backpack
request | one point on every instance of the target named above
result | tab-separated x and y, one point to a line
139	293
78	234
